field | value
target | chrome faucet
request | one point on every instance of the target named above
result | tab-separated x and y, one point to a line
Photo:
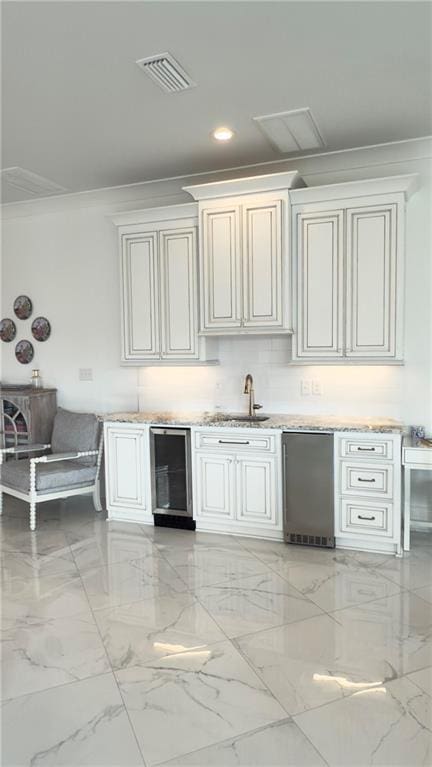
248	389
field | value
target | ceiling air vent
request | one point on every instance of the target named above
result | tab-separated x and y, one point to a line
294	131
166	72
29	182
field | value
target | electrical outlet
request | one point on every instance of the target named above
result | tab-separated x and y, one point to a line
305	387
317	388
85	374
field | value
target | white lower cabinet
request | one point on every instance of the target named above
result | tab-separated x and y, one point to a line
368	492
237	487
127	471
215	486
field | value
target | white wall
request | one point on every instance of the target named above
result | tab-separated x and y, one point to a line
62	252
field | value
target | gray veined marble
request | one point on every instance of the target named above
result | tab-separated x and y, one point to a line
42	653
279	745
188	701
423	679
84	723
312	662
205	566
152	628
342	582
256	602
131	581
398	733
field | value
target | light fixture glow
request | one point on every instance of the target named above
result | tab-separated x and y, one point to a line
223	134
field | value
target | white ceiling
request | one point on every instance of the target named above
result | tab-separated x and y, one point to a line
78	110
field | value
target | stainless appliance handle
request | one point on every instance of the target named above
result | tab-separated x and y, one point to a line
172	430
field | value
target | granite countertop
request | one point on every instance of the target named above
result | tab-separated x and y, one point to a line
284	421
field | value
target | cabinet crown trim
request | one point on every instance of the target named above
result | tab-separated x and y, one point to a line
407	184
155	215
232	187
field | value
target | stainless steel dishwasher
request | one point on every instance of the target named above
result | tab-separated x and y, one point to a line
308	491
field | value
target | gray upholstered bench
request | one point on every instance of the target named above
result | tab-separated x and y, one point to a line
71	468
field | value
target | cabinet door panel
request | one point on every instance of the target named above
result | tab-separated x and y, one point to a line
215	487
220	268
262	265
320	284
140	297
178	293
256	491
126	461
371	281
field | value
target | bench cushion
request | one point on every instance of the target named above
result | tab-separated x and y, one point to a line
50	477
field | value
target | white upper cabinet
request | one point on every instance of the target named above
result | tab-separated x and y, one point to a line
320	284
372	281
178	303
349	244
220	265
244	254
159	287
140	283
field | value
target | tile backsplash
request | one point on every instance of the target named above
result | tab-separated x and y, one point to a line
340	390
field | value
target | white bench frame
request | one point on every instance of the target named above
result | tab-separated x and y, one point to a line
33	496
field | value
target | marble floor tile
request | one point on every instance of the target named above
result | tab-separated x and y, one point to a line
109	547
55	596
412	571
425	592
278	745
204	566
19	564
132	581
338	584
390	725
312	662
423	679
83	724
399	626
184	702
47	652
257	602
273	552
45	541
141	631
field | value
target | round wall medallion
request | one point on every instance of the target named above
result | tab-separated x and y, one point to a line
24	352
23	307
41	328
7	329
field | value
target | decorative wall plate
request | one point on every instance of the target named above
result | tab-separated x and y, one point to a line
23	307
41	329
24	352
7	329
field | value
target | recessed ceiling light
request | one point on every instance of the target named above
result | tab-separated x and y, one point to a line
223	134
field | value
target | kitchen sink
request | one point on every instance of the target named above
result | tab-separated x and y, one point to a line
247	418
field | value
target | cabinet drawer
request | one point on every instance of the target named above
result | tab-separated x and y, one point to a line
232	441
366	479
366	518
363	448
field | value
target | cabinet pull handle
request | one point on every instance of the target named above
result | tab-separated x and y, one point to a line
369	519
361	479
230	442
367	449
